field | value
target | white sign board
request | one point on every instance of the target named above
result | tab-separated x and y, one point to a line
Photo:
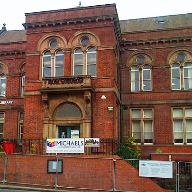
65	145
74	134
161	169
92	142
6	102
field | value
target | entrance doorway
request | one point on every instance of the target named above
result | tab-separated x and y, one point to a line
68	131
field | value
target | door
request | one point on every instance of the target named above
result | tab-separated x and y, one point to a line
68	131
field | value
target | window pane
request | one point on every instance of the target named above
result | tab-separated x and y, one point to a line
147	85
1	116
147	113
59	60
178	126
59	71
176	84
136	113
91	70
91	58
136	126
177	112
188	112
78	70
148	126
187	83
189	125
92	49
187	76
2	85
189	137
176	73
146	74
78	59
47	72
134	75
47	61
135	85
137	137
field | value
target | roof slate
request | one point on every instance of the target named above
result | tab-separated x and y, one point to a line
127	26
13	36
152	24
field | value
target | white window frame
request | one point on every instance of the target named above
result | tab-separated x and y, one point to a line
134	79
3	77
56	61
53	63
187	77
22	84
20	131
172	78
149	80
141	80
85	61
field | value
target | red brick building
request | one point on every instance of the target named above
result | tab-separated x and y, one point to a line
73	69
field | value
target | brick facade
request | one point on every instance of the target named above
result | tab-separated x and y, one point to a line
22	52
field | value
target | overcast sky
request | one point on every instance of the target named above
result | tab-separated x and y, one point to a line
12	12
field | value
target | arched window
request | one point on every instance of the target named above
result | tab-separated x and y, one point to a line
181	70
3	85
68	110
85	55
140	72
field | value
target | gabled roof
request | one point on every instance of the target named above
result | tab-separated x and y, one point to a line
14	36
157	23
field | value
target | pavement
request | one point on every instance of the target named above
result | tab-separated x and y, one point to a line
14	187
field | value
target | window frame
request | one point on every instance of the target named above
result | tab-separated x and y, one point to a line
2	121
182	58
85	52
142	121
53	55
141	78
184	120
20	127
1	87
22	84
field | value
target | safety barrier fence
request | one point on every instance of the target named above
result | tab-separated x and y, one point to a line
90	173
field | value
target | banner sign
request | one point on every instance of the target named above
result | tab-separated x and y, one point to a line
65	145
6	102
92	142
161	169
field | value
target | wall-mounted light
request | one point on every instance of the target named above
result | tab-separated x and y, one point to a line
103	97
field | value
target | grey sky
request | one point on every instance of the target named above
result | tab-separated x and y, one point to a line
13	12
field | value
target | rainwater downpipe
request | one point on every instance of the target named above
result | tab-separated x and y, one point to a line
121	108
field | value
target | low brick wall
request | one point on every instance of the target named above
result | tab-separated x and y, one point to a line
90	172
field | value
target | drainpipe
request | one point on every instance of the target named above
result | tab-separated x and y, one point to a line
121	107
